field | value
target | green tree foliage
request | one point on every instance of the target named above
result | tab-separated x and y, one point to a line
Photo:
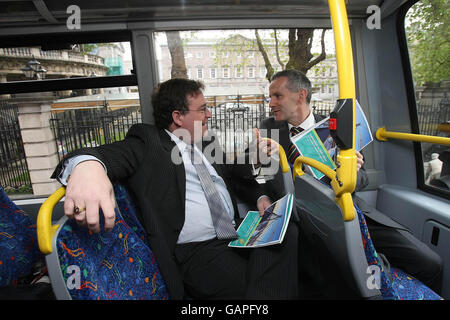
428	34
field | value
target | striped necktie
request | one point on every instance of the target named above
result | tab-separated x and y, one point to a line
221	220
293	151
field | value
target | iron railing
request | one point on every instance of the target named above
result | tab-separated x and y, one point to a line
90	127
14	174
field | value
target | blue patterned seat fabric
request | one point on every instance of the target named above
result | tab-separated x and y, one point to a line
116	265
397	285
18	242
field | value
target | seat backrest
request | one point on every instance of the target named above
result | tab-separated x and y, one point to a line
347	246
335	243
109	265
18	242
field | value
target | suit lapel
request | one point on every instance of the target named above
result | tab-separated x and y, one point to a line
285	140
180	172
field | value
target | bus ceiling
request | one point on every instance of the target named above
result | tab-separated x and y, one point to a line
39	13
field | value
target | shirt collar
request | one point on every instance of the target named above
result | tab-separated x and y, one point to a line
307	123
180	143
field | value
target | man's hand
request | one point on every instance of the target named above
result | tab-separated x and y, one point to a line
359	160
89	189
265	148
262	204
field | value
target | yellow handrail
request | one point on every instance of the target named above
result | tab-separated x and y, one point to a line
346	159
326	170
45	229
383	135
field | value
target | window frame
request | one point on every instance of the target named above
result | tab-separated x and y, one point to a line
49	41
412	103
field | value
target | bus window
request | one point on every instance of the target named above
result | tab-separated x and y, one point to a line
61	100
426	26
235	66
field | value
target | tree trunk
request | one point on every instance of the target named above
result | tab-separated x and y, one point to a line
177	55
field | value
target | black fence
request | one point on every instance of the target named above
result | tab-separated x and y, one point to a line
233	121
90	127
14	176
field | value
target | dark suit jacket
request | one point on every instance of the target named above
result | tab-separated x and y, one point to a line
142	161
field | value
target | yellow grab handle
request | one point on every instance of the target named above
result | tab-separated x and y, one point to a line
326	170
382	134
343	199
45	229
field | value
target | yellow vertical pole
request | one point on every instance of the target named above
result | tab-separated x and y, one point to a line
345	183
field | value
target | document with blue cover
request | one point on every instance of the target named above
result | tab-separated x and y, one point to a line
317	143
258	231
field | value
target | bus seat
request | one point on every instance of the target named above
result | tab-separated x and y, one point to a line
395	283
116	265
18	242
343	251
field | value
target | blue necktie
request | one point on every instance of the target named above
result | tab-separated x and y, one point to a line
221	220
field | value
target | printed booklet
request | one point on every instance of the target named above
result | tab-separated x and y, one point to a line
258	231
317	143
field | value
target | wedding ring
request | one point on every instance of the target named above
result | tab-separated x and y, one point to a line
78	210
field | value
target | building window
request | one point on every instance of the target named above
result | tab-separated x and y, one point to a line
238	73
212	73
199	54
225	72
262	72
199	72
212	54
251	72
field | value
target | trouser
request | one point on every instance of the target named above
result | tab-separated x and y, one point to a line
406	252
212	270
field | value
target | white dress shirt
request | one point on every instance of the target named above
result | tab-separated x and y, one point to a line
198	225
307	123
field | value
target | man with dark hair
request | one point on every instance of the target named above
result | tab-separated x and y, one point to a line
290	95
187	205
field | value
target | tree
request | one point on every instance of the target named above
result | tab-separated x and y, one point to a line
299	46
291	52
177	54
428	35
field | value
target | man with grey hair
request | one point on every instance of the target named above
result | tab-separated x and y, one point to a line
290	96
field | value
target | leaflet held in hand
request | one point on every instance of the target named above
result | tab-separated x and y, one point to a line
269	229
317	143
